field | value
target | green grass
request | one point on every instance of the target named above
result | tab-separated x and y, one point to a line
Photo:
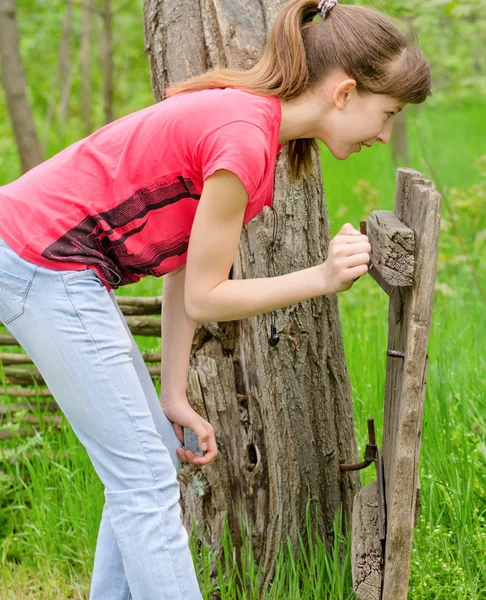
52	500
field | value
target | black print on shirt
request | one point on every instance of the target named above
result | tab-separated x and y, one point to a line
101	239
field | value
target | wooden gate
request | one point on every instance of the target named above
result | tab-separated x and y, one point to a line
404	246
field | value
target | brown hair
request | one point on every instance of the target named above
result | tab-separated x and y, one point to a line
362	42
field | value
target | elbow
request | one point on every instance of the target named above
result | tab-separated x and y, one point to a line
195	311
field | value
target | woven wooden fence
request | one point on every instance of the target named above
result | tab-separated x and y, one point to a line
21	379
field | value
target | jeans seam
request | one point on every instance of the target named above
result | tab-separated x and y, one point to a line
168	545
109	378
75	308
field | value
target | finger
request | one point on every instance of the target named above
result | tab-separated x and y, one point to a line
356	272
348	229
357	259
179	431
359	248
356	239
207	458
211	453
203	440
182	454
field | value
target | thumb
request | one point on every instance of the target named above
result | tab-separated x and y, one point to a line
348	229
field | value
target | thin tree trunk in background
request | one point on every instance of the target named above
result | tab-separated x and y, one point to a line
15	88
85	67
399	140
283	417
107	60
62	79
65	61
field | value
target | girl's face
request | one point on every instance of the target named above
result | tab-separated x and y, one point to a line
352	120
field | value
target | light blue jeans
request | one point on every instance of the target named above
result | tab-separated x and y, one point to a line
74	332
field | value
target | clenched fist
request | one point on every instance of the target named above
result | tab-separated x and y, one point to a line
348	258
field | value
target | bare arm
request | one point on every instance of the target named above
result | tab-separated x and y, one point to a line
211	296
177	335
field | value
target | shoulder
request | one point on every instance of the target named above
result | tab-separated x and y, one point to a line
215	108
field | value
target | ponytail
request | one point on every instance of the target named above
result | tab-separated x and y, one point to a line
301	52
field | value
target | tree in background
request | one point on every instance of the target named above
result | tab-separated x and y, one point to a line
15	88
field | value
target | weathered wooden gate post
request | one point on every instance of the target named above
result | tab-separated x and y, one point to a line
404	247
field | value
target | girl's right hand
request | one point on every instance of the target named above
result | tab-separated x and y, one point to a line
348	258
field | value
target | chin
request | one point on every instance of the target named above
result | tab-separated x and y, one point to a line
340	155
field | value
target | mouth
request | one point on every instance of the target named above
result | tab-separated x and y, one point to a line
361	144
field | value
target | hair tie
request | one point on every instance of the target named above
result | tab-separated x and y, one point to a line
325	6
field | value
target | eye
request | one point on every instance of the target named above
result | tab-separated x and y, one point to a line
390	114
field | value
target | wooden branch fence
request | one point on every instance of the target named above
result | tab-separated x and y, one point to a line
21	379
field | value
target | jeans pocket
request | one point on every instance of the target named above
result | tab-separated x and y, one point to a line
16	275
73	276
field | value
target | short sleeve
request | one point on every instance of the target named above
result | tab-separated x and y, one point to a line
239	147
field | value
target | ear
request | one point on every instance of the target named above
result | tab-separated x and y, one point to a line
343	92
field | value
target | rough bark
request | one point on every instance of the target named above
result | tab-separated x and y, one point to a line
15	88
283	417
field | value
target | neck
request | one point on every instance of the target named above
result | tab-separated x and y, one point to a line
298	118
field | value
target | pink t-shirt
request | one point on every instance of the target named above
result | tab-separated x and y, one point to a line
122	201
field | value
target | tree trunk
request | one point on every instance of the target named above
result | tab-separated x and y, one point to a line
399	140
62	79
283	417
15	90
85	67
65	62
107	60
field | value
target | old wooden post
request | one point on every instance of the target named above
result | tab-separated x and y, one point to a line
404	259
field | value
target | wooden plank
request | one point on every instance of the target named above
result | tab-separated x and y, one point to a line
366	548
139	325
8	434
31	376
25	392
146	326
417	205
20	359
131	305
392	248
6	409
153	302
8	358
7	340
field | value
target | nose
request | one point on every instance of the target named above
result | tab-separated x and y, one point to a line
384	135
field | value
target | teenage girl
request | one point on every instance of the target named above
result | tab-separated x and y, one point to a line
165	191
